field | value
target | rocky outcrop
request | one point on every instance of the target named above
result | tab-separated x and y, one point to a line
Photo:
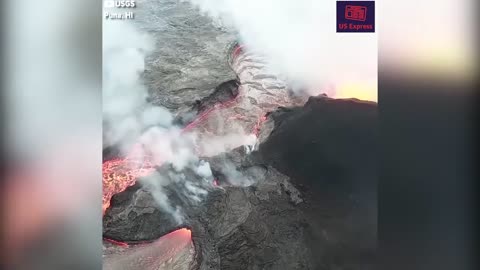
312	204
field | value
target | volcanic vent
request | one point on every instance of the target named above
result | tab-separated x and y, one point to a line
234	112
262	207
231	115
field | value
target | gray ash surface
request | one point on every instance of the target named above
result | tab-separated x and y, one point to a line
189	57
313	205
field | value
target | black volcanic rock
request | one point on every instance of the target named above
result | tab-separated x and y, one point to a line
224	92
328	148
250	226
312	206
131	215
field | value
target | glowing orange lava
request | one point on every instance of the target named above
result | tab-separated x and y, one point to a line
186	233
171	251
203	116
260	121
119	174
180	234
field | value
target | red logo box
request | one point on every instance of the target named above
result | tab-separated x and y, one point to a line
355	16
356	13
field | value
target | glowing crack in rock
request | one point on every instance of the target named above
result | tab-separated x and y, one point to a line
224	126
259	92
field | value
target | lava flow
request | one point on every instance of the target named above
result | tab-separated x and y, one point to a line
120	173
259	93
170	251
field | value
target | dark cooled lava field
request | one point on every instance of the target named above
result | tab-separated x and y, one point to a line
308	196
313	207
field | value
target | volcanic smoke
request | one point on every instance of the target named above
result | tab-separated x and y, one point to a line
259	93
298	40
225	125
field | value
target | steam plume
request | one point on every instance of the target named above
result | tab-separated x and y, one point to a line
299	40
130	120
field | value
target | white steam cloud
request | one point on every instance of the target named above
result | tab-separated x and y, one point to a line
129	120
204	170
124	50
299	39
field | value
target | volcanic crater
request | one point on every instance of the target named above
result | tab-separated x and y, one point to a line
310	197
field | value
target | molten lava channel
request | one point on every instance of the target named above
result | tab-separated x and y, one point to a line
121	173
258	94
168	252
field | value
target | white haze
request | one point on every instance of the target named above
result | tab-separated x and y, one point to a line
124	50
155	184
130	120
219	144
299	39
